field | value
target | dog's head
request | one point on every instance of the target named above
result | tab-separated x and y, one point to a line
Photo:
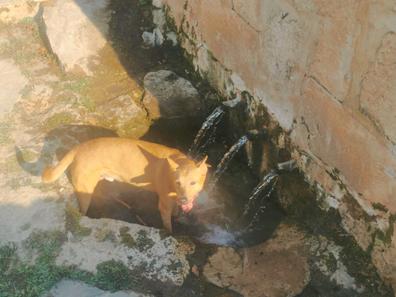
189	180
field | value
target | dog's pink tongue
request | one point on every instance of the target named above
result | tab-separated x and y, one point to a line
187	207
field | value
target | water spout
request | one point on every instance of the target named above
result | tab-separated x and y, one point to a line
206	132
225	161
268	182
257	134
287	166
232	103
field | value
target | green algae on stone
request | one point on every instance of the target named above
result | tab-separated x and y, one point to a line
302	208
77	85
379	206
105	235
18	279
134	128
126	238
58	119
87	103
385	237
143	241
73	217
29	155
113	275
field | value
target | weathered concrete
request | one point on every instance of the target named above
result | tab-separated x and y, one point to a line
325	72
86	25
12	82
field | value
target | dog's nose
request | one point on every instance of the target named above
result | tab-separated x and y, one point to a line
184	200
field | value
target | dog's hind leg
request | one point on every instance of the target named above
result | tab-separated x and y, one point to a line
84	188
84	200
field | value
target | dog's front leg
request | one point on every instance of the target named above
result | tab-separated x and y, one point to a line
166	206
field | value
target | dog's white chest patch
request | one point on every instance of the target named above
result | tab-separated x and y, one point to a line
110	178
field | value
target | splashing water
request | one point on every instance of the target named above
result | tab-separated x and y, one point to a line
207	131
225	161
218	235
269	182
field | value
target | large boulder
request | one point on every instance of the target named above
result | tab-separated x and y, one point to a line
263	270
170	96
76	31
13	11
145	251
123	115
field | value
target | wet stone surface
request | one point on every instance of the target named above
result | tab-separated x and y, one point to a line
52	100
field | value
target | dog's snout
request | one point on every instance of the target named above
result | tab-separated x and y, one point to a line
184	200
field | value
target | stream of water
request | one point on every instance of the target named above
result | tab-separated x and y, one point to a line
225	161
207	132
256	202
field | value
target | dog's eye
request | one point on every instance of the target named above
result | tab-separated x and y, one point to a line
193	183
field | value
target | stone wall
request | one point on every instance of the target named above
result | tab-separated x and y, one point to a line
326	72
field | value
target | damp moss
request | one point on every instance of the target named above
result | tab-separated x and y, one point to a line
113	275
105	235
27	21
303	209
45	243
331	262
126	238
87	103
134	128
143	241
78	85
170	22
19	279
386	237
379	206
58	119
29	155
73	217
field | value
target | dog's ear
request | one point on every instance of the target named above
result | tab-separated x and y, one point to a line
172	164
203	162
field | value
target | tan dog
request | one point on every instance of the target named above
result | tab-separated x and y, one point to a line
176	179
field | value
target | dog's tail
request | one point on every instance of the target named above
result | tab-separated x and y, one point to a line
51	174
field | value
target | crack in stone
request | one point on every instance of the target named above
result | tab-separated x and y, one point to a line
243	18
324	88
